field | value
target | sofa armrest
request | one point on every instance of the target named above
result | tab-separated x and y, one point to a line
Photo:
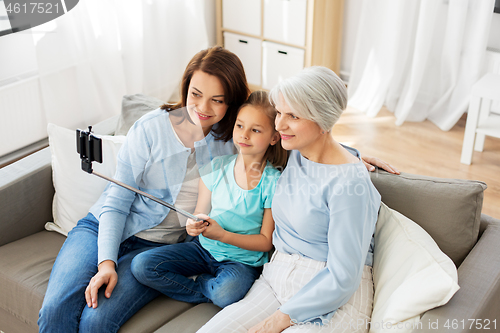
26	193
478	300
486	220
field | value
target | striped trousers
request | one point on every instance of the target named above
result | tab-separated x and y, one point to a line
282	278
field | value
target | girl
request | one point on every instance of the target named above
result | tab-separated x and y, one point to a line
237	191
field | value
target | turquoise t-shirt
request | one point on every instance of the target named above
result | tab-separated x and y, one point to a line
235	209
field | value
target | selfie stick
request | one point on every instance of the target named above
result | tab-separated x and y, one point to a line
90	149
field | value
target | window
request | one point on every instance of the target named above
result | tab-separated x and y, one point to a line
4	20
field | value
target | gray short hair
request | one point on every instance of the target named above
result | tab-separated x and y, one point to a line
315	93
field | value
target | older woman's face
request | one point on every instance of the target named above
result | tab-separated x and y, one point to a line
296	133
205	102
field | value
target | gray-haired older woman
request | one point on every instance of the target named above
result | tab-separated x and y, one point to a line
325	209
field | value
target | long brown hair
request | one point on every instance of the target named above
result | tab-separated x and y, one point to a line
227	67
275	154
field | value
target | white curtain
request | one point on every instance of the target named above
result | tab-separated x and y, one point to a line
103	49
80	65
159	37
87	59
420	58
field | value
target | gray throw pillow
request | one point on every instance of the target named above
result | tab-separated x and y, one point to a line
133	108
448	209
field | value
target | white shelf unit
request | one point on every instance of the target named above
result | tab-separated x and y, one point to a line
277	38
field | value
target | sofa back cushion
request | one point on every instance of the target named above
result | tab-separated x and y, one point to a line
133	108
448	209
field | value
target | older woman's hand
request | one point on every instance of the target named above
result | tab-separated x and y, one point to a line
275	323
372	162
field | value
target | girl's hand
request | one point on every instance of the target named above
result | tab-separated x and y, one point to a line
106	275
275	323
214	230
372	162
195	228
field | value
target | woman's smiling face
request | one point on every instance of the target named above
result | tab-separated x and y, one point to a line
296	132
205	101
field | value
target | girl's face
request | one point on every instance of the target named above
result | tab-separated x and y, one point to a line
253	131
205	101
296	133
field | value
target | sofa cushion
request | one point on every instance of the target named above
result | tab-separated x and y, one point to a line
75	190
448	209
191	320
154	315
133	108
26	266
410	273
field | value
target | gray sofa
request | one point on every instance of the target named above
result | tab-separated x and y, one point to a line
449	210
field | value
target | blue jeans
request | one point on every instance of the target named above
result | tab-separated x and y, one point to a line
168	268
64	307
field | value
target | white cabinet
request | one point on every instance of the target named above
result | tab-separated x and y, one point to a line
242	16
249	50
285	21
277	38
280	62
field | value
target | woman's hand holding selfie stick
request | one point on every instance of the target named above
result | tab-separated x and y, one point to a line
90	149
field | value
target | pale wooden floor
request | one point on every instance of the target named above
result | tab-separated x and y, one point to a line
422	148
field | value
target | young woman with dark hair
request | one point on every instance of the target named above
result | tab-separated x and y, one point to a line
161	156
